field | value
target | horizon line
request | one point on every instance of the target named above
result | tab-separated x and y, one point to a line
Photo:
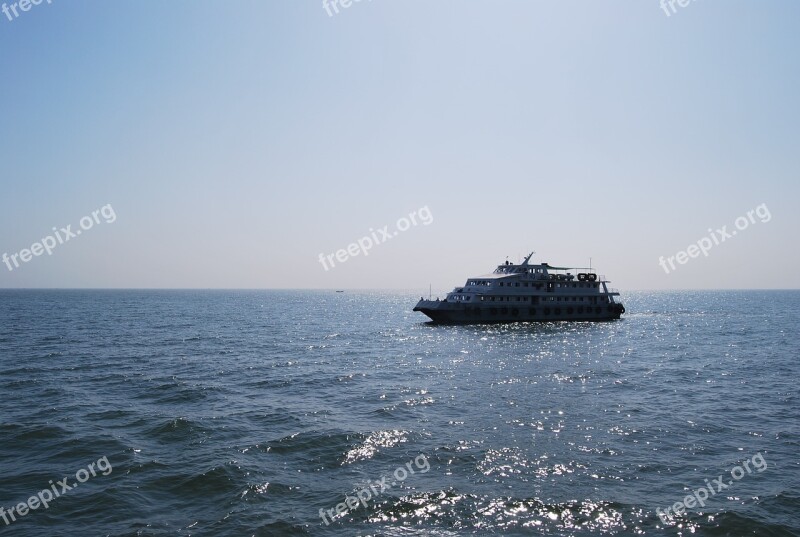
341	289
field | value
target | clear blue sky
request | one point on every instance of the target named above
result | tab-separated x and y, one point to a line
236	141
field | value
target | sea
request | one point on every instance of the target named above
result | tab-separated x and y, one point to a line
272	412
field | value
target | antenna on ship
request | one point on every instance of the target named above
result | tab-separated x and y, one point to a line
525	261
430	291
590	264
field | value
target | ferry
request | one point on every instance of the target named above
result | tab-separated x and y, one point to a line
527	292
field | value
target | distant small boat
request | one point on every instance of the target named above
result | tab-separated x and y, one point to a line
340	291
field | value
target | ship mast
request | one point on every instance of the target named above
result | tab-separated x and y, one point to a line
527	259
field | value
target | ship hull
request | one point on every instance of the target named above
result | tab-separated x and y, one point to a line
441	312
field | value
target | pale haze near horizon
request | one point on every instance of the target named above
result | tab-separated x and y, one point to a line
236	142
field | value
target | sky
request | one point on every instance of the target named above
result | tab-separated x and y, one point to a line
259	144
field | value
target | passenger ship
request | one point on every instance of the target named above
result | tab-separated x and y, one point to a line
526	292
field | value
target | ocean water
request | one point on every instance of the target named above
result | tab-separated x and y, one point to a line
239	413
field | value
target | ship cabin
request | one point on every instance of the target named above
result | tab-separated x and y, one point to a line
532	284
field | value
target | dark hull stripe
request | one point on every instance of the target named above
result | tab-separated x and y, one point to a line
484	316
